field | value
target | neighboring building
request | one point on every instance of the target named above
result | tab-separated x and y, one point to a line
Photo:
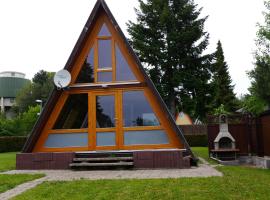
183	119
10	83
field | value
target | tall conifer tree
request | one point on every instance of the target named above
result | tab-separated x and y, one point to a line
222	81
169	38
260	75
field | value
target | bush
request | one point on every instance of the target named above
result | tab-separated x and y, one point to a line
197	140
12	143
20	125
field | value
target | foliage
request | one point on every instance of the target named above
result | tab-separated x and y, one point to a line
12	143
253	104
9	181
260	75
220	110
39	88
237	183
169	38
20	125
222	82
7	161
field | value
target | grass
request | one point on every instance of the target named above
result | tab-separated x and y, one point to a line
203	152
237	183
8	181
7	161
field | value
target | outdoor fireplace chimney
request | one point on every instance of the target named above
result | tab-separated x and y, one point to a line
224	139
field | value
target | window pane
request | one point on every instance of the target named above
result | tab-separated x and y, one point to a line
145	137
67	140
105	111
104	76
104	31
104	54
74	114
105	139
123	71
86	74
137	111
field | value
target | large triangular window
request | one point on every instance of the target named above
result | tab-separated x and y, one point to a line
105	62
110	104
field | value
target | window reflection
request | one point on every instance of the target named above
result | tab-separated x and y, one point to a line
104	76
74	114
137	111
86	74
123	71
104	54
105	112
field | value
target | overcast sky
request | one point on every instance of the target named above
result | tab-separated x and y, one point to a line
40	34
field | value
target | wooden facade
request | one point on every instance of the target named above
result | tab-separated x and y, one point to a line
102	29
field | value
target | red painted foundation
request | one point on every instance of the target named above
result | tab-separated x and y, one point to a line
160	159
142	159
44	160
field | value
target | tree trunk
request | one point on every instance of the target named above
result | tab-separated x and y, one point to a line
171	104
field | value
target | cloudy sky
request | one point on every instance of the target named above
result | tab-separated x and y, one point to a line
40	34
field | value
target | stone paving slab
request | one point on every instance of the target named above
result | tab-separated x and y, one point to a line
203	170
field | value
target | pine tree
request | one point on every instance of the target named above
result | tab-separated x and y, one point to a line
222	82
169	38
260	75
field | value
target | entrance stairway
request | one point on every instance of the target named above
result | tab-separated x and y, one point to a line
102	160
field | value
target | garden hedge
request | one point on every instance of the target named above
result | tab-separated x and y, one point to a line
12	143
197	140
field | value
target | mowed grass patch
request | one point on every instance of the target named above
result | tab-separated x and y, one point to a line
7	161
237	183
8	181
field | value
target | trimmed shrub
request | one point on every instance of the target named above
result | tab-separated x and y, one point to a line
197	140
12	143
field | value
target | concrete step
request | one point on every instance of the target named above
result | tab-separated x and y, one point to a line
102	154
116	164
103	159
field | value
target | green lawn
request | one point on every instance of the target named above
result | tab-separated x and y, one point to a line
7	161
237	183
203	152
10	181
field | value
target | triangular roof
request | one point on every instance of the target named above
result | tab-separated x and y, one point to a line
183	119
99	6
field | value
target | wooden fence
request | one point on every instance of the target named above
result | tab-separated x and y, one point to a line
194	129
252	135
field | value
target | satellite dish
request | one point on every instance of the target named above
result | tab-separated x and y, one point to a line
62	79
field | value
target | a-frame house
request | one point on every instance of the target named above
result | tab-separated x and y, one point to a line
111	106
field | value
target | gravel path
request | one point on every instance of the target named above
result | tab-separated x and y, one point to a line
21	188
204	170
